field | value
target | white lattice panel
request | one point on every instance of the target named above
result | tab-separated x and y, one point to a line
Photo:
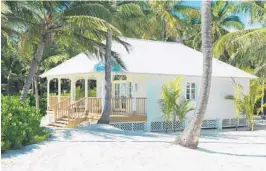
213	123
130	126
232	122
161	126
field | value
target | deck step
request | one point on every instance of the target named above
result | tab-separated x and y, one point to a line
56	124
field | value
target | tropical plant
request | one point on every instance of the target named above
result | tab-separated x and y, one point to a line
246	48
237	102
181	109
20	124
168	18
170	94
246	103
223	19
190	136
45	22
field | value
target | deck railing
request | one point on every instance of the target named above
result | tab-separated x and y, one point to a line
119	106
76	111
53	101
60	109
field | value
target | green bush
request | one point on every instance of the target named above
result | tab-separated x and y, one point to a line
20	124
43	103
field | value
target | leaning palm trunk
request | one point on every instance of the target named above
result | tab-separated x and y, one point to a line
190	136
105	118
37	98
163	29
33	69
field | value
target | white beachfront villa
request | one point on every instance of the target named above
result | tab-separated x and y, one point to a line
136	91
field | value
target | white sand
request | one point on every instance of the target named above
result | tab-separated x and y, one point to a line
106	148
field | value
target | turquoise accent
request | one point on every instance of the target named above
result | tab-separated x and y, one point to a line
99	67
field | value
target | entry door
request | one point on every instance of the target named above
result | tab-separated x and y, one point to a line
122	92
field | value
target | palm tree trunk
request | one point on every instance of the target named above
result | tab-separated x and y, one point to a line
37	98
33	69
8	82
262	99
190	136
163	36
105	118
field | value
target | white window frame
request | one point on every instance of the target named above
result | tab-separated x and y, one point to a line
190	91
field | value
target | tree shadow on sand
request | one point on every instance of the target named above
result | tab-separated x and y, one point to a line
229	154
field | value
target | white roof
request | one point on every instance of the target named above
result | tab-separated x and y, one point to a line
152	57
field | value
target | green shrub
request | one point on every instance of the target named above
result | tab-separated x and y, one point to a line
43	103
20	124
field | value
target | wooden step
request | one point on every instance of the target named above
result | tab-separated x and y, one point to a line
55	124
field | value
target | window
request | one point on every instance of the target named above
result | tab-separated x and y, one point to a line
191	91
120	77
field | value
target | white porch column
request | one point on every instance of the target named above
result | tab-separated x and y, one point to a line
86	94
59	90
134	96
72	90
103	90
48	92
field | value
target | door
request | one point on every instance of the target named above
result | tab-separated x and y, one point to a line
122	91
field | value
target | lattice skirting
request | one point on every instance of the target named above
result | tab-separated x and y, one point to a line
130	126
160	126
211	123
232	122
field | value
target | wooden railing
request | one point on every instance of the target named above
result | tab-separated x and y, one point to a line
94	105
120	106
76	113
53	101
60	109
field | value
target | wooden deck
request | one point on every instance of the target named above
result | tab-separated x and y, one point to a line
67	114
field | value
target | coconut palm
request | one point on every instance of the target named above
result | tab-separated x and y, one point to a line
167	18
190	136
45	22
223	19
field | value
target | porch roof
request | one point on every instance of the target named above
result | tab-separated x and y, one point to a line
151	57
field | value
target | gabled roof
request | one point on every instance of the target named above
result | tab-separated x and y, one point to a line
152	57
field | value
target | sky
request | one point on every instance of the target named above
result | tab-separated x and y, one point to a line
244	18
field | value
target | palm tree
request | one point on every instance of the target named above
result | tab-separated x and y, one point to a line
190	136
122	12
45	22
166	19
246	48
223	19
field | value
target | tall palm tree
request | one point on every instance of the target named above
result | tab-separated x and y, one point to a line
121	13
166	19
223	19
190	136
247	48
46	22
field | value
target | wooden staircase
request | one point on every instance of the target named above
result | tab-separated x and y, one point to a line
67	115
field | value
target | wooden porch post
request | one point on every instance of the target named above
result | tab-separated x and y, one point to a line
86	94
48	93
59	90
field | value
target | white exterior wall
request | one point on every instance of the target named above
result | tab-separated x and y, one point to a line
150	86
218	107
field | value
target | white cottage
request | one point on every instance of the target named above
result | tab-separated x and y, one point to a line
135	92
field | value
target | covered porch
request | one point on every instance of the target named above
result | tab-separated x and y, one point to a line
79	98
